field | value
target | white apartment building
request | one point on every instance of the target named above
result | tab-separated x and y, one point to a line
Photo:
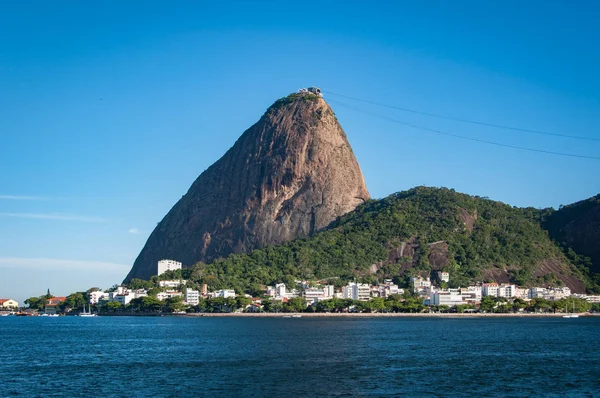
96	296
449	297
387	289
420	283
589	299
521	292
489	289
357	291
224	293
124	299
536	292
168	294
280	290
444	276
167	265
506	290
172	284
312	295
475	291
192	297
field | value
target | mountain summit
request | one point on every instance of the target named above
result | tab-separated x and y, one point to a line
289	175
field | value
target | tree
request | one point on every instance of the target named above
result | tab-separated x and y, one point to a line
151	304
74	301
114	306
136	284
487	304
272	305
296	304
518	305
174	304
36	303
242	302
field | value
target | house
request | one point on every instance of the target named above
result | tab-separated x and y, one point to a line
420	283
52	305
167	295
443	276
8	304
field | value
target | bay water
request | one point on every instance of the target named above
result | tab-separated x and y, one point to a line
298	357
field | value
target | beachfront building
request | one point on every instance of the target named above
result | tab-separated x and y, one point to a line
192	297
357	291
474	291
313	295
489	289
450	297
506	290
168	265
8	304
521	292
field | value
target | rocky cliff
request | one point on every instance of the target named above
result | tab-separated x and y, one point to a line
289	175
577	226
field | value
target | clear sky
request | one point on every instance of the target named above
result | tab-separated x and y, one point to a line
109	109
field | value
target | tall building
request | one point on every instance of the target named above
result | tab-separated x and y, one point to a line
192	297
357	291
167	265
489	289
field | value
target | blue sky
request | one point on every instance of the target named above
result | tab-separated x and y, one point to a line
110	110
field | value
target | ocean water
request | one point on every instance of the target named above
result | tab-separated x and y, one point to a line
298	357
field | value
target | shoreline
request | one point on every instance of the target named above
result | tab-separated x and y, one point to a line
380	315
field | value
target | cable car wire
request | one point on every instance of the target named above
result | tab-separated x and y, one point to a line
463	120
461	136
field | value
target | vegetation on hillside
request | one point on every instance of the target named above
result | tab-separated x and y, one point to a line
581	243
291	98
501	237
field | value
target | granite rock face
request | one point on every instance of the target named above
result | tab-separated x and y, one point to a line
289	175
577	226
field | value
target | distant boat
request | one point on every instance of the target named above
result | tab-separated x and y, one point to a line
297	316
87	314
571	315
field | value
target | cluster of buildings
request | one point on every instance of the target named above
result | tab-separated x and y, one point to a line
312	294
422	286
472	294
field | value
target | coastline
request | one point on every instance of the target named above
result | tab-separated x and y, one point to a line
380	315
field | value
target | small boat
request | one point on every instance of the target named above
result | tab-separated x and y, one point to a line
297	316
87	314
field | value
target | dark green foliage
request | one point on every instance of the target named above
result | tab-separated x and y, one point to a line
502	237
576	228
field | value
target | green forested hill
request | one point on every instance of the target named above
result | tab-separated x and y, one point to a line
412	232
